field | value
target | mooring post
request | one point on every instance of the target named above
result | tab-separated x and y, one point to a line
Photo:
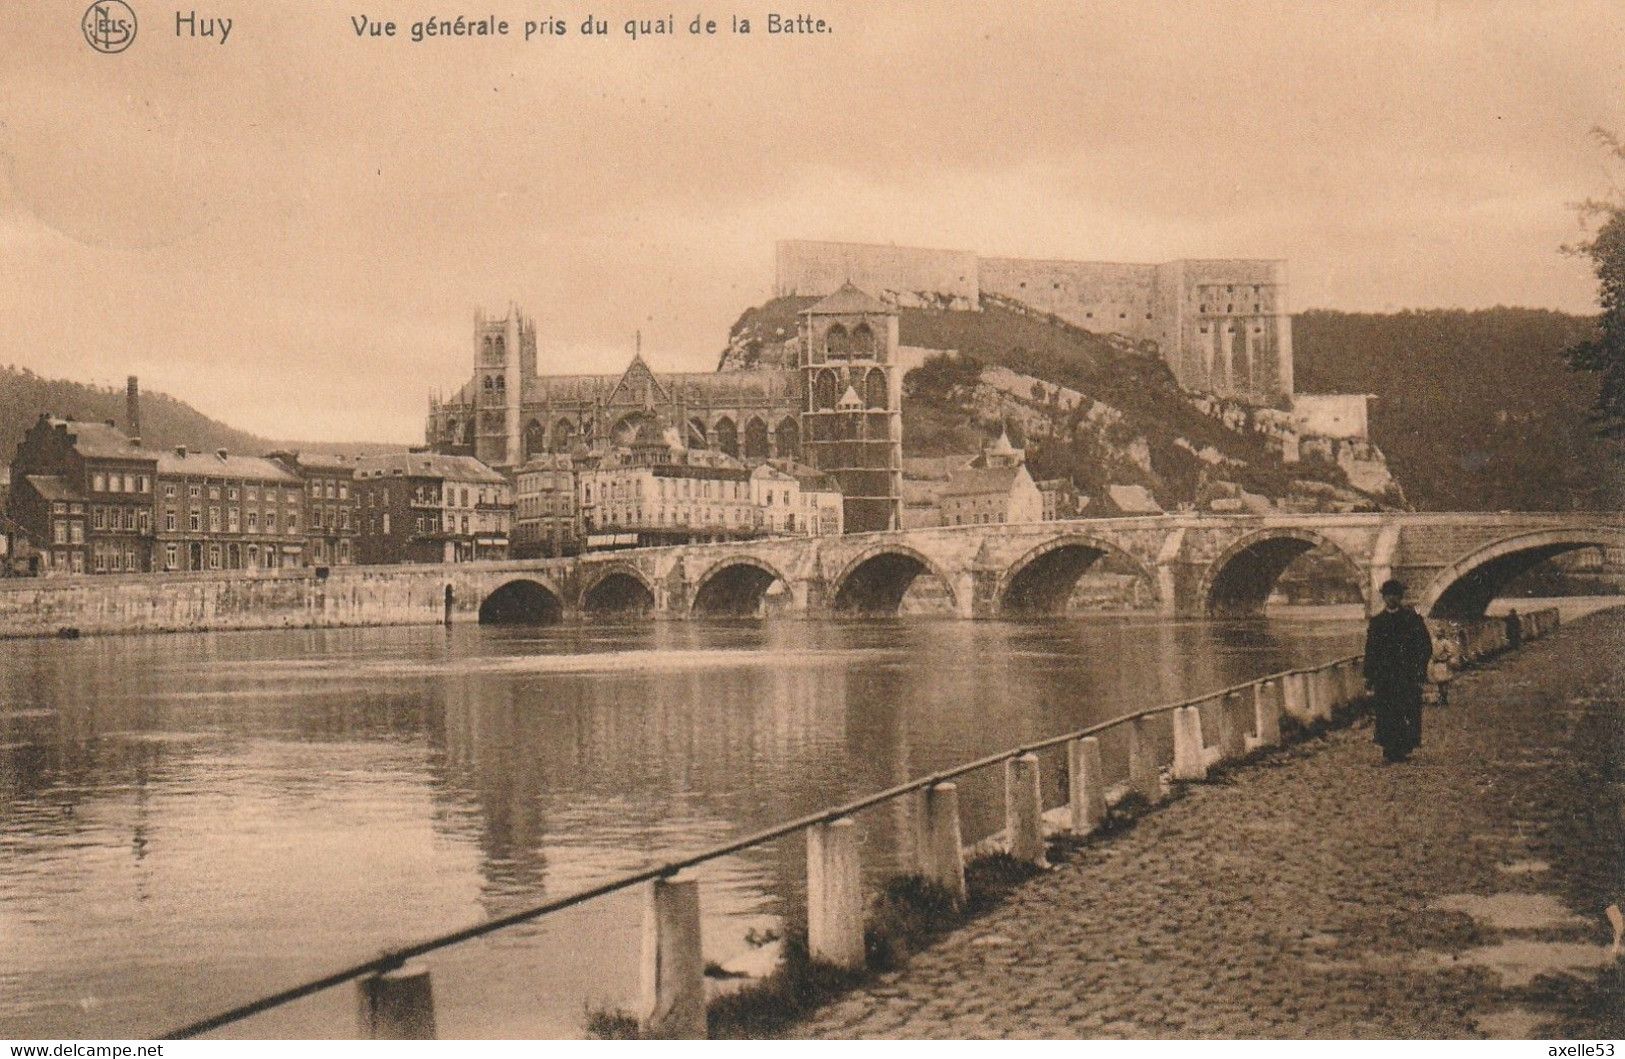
1267	711
1295	695
1024	810
1088	783
947	851
1190	763
1232	728
1323	696
1144	777
835	894
673	1005
396	1005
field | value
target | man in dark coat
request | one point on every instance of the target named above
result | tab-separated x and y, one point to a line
1397	649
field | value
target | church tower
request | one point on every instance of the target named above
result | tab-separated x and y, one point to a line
852	422
504	359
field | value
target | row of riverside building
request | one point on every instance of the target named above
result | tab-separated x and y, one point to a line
89	498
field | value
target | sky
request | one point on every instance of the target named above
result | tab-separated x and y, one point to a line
293	229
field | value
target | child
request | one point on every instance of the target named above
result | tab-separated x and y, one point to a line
1446	660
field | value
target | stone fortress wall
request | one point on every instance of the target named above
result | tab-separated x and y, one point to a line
1223	326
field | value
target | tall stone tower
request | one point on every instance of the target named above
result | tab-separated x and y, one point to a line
852	422
504	361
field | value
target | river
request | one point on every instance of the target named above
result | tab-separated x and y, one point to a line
189	821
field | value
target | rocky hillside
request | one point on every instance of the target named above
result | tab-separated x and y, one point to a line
1088	407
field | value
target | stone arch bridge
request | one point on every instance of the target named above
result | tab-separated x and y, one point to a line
1454	563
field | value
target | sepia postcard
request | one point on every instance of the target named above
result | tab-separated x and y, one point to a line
843	519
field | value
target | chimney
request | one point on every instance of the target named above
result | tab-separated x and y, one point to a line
132	408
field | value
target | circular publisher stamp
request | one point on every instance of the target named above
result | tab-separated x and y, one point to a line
109	26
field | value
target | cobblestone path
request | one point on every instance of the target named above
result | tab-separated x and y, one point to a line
1317	893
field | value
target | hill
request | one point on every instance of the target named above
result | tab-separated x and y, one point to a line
1092	408
1475	409
165	421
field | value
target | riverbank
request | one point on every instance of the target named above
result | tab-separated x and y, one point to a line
1322	895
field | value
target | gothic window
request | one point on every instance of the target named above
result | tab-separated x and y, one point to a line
696	434
787	439
756	439
486	347
501	348
534	441
875	395
826	390
727	436
564	433
451	434
863	340
837	343
468	433
499	382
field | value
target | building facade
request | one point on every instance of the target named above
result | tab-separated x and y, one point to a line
217	511
420	507
333	518
545	518
84	492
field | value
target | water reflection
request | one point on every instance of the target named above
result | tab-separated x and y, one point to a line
188	821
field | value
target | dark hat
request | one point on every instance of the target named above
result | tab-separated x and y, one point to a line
1391	587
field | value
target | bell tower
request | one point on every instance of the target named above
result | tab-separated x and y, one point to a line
504	359
852	422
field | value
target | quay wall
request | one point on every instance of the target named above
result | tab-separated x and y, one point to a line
193	603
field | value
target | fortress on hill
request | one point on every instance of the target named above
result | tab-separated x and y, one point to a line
1223	326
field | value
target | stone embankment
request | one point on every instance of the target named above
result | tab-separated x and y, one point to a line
1320	894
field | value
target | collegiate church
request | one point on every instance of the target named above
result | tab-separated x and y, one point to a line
839	408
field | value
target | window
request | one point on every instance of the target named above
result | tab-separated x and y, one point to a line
98	482
129	518
169	520
293	522
332	490
194	491
270	522
234	518
315	488
253	492
76	533
214	492
214	557
214	520
99	517
171	553
231	492
195	520
344	490
386	523
115	561
98	561
141	483
169	492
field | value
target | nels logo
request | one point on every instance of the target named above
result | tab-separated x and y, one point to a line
109	26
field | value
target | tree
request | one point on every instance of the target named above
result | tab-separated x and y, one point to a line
1604	354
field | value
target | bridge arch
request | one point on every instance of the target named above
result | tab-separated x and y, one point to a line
876	581
1043	580
618	589
735	586
1240	580
523	601
1465	588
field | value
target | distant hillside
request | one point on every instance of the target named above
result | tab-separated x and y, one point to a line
165	422
1475	410
1139	430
